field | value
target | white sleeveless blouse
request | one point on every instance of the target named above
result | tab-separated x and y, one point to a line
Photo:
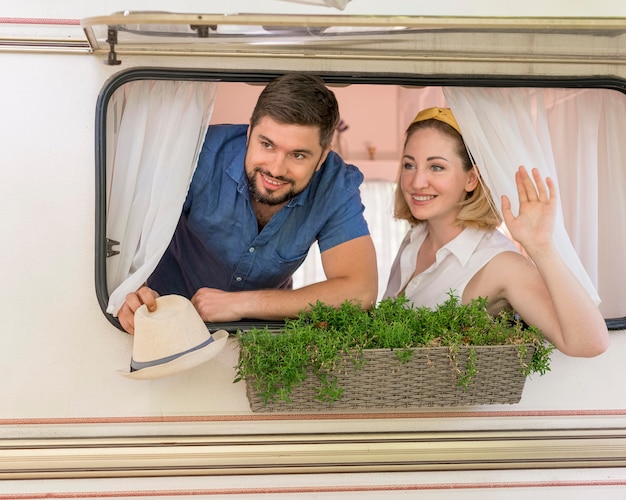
455	264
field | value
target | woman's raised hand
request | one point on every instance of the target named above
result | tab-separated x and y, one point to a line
534	224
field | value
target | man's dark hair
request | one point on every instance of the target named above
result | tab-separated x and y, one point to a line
299	99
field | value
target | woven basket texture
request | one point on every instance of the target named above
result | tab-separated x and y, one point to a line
428	379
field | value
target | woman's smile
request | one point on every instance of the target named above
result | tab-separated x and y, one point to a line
423	197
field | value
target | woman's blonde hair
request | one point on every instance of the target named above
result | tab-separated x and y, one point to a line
478	209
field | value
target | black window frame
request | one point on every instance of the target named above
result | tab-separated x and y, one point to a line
262	77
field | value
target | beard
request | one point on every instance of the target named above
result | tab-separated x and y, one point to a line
268	198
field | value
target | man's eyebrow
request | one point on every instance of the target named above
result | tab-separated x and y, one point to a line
300	151
266	139
303	151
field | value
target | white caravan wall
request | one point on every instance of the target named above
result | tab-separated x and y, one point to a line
58	353
58	350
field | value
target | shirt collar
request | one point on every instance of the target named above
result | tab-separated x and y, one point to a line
462	247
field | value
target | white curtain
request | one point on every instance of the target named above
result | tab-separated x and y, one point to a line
572	136
155	132
612	204
387	234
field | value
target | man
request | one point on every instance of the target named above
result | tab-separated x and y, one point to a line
260	196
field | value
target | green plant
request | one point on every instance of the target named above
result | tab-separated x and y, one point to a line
320	341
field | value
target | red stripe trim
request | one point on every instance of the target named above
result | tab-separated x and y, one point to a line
319	489
39	20
312	416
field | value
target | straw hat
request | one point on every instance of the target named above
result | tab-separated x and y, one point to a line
171	339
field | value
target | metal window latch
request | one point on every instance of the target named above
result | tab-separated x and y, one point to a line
110	244
112	59
202	30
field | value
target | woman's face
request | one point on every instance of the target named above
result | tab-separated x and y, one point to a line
432	178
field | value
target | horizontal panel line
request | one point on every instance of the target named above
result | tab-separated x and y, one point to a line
464	414
466	57
190	440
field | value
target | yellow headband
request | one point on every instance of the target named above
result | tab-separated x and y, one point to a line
442	114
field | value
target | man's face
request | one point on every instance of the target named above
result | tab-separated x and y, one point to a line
281	160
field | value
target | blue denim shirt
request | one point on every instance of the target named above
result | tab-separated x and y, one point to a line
217	243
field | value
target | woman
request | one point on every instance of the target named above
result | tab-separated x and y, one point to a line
454	243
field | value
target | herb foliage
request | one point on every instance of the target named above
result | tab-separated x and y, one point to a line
320	340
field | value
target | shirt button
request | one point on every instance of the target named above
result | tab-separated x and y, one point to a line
251	249
238	278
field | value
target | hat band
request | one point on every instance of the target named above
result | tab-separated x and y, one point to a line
138	365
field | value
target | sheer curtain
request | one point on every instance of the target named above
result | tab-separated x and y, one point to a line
570	135
157	129
386	231
573	135
612	204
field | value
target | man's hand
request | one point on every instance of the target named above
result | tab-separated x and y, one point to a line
351	274
215	305
134	301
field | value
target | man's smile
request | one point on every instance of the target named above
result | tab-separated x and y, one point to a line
273	181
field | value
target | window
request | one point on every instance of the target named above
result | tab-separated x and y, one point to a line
376	109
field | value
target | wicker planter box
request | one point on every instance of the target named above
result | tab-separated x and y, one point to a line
429	379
